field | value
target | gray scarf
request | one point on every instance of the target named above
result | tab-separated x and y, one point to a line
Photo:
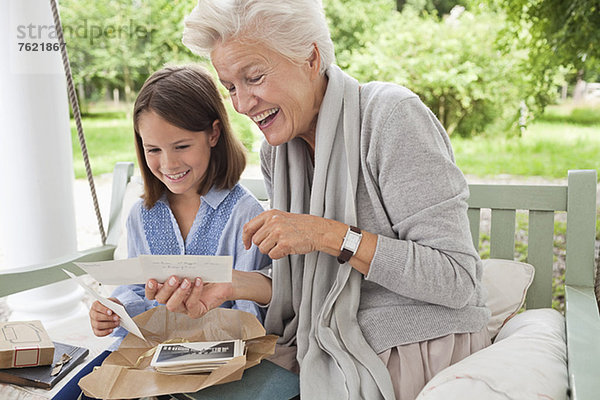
315	299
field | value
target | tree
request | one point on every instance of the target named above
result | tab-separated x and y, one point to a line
352	24
440	7
569	31
117	44
560	35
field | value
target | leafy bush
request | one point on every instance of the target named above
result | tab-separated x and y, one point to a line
463	68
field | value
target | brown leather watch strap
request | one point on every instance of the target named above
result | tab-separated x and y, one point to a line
345	256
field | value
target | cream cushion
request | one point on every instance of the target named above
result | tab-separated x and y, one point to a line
506	282
528	360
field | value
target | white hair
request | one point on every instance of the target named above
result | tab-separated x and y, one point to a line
289	27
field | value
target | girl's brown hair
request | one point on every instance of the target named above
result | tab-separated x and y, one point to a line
187	97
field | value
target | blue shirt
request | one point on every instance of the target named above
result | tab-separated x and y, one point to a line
216	230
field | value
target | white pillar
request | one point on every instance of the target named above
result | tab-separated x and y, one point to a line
37	217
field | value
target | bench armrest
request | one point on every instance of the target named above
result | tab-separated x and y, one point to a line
583	341
19	279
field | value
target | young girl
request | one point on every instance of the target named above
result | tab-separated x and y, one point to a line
190	162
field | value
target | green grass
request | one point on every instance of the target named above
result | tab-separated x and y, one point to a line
108	141
585	116
565	137
546	149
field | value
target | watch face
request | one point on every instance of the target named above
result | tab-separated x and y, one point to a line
353	241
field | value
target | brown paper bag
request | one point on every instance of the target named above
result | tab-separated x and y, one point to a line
118	379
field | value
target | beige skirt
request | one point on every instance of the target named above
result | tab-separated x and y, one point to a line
412	365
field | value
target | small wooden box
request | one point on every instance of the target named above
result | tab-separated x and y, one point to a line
24	344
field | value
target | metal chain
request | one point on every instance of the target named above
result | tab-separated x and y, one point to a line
77	115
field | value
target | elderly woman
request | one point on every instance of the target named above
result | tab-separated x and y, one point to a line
375	278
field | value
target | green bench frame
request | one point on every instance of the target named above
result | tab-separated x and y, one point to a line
577	199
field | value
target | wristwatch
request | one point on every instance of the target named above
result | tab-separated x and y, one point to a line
350	244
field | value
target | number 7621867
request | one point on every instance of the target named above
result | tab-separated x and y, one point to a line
40	46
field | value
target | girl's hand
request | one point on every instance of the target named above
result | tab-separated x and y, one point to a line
278	233
182	297
103	319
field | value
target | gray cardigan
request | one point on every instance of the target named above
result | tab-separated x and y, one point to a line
425	278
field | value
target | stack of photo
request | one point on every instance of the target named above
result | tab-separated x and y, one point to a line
195	357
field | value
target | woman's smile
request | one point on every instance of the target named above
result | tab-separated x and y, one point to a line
266	118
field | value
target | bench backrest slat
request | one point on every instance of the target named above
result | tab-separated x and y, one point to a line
122	174
518	197
502	234
540	254
474	215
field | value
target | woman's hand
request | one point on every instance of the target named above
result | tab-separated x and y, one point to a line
183	297
103	319
278	233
